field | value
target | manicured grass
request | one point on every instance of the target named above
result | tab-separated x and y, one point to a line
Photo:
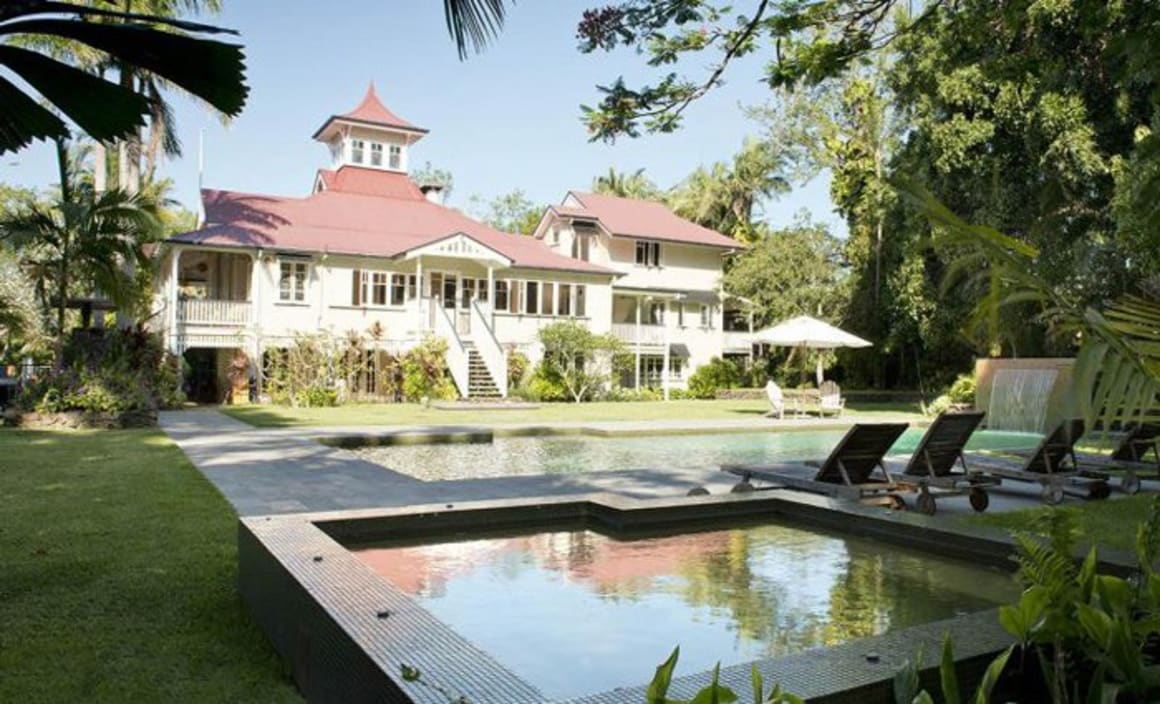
1110	524
117	585
413	414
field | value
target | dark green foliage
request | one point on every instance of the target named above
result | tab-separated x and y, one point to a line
167	48
717	374
425	374
110	371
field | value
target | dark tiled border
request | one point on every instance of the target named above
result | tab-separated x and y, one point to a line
345	631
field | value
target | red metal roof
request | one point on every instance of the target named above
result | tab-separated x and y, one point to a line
388	223
371	111
644	219
370	182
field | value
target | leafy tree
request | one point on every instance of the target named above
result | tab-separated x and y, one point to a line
170	49
723	197
795	271
578	358
626	185
80	239
20	319
511	212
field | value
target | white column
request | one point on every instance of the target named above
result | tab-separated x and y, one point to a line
419	302
751	339
665	352
174	271
491	296
636	383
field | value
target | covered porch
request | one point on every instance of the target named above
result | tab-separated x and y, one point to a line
211	287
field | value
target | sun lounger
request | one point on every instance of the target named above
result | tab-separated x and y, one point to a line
933	463
776	400
1052	464
847	472
830	399
1131	455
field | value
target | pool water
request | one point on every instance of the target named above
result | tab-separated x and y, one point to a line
575	613
575	454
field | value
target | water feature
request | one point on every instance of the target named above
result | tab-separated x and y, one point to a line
577	612
1019	399
576	454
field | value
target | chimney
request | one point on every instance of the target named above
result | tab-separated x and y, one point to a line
433	192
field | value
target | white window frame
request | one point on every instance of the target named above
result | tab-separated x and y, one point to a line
395	157
293	280
361	146
706	316
647	253
376	154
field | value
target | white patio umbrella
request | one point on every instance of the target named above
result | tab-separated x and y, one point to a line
804	331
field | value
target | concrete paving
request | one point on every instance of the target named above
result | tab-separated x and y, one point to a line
274	471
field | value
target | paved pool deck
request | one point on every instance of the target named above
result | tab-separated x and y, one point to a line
263	471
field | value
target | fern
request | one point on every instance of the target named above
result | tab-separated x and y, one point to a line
1148	539
1044	556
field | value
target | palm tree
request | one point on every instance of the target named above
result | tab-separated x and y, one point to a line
626	185
724	196
81	240
474	22
170	49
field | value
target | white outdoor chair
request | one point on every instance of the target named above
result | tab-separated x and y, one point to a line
830	399
776	400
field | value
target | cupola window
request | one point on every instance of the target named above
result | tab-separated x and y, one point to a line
396	157
357	151
376	154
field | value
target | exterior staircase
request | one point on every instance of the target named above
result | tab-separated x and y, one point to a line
479	381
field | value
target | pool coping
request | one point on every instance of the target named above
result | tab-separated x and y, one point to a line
484	433
346	632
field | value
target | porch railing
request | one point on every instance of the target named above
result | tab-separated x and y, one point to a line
212	312
457	361
649	334
738	340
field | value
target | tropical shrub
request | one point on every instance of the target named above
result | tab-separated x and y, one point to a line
518	365
543	385
644	393
577	358
963	390
110	371
425	372
716	374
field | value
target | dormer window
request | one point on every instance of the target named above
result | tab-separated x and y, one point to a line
376	154
357	151
396	157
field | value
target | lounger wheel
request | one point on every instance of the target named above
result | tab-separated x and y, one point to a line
926	503
1130	484
897	503
979	499
1052	494
743	487
1099	490
698	491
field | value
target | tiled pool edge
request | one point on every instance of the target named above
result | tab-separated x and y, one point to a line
324	615
438	435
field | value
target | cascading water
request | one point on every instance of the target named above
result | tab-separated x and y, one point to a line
1019	399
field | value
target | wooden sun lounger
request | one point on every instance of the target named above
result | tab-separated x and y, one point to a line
933	463
1052	464
1129	455
845	473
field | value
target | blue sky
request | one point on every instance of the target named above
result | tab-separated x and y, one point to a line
506	119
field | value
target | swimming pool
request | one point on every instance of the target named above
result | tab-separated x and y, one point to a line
576	612
515	456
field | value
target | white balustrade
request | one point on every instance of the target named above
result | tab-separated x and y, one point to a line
457	361
649	334
213	312
489	348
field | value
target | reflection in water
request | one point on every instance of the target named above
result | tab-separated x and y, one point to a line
569	455
579	612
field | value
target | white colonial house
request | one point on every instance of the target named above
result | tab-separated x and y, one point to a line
370	249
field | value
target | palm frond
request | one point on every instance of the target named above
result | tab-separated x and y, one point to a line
474	22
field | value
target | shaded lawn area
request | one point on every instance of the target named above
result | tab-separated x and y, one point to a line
414	414
119	563
1109	524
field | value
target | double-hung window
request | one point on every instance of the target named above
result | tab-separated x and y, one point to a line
547	299
396	157
706	316
358	150
580	291
379	282
563	299
292	281
532	297
398	289
648	253
376	154
501	295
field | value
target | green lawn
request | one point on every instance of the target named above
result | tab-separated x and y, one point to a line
1110	524
413	414
117	585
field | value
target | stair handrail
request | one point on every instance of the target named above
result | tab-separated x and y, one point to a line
457	361
492	353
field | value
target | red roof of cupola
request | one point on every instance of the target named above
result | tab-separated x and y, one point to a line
373	113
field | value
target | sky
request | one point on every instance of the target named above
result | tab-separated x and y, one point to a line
506	119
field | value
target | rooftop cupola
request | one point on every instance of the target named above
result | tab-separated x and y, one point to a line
370	136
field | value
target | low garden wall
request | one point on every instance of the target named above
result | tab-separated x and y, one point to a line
83	420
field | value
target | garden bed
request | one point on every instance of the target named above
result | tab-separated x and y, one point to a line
83	420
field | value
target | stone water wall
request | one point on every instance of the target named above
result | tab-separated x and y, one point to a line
1061	402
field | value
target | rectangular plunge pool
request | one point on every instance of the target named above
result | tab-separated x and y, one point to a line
574	612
